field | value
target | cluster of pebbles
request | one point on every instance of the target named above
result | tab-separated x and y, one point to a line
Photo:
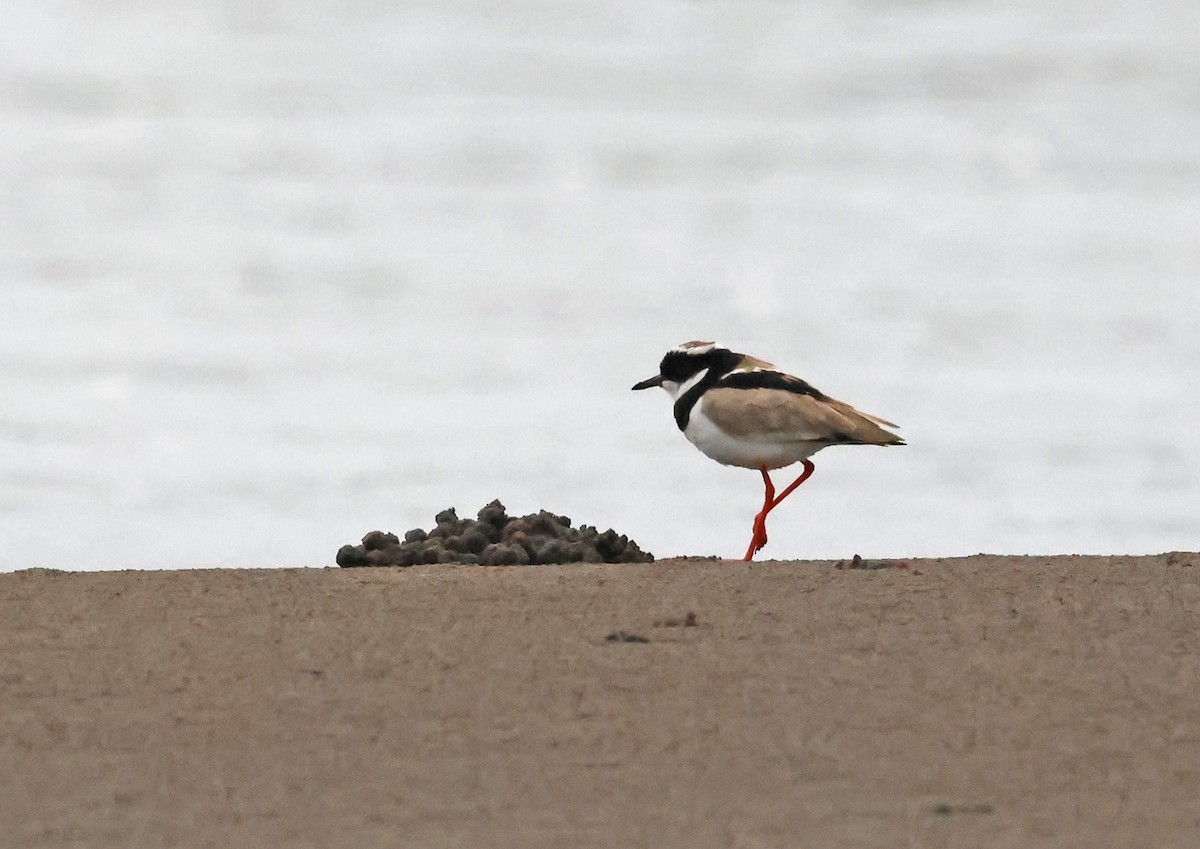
495	539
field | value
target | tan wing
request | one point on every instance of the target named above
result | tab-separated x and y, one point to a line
776	415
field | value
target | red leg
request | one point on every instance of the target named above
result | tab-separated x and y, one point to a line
759	537
770	502
809	468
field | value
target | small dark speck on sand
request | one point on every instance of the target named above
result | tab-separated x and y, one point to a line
625	637
942	809
857	562
688	621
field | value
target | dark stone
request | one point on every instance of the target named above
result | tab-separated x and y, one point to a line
376	540
546	523
349	556
528	544
503	554
494	514
488	531
552	551
610	544
474	540
393	556
406	556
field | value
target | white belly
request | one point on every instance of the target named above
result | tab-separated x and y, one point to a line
750	454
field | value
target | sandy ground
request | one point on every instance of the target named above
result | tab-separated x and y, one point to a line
982	701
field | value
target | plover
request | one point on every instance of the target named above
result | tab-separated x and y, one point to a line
742	411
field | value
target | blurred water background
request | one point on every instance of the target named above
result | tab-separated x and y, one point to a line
273	275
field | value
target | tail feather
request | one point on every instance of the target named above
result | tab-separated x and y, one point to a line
865	429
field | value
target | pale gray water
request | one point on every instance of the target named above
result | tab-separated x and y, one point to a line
272	278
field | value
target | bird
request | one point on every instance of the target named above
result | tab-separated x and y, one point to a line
743	411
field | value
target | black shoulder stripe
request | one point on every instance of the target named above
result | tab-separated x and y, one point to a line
764	379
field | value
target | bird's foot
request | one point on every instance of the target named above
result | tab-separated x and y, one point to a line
759	537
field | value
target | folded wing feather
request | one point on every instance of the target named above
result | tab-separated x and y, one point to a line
776	415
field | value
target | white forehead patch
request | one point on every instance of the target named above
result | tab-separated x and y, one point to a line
695	349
